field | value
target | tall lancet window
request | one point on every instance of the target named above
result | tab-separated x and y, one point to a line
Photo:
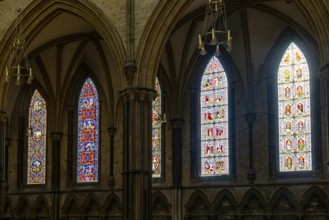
156	133
37	140
88	137
295	145
214	121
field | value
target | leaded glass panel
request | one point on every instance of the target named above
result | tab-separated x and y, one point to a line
37	140
156	133
88	137
214	121
295	144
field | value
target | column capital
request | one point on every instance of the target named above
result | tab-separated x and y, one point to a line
176	123
250	117
3	116
138	93
56	136
111	131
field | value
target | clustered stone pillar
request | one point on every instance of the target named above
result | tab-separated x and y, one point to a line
3	119
137	153
56	161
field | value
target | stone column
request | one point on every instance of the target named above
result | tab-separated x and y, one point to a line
177	142
251	175
111	180
56	161
137	153
70	143
3	119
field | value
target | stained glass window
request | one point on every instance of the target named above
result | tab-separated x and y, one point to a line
37	140
88	127
214	121
156	133
295	146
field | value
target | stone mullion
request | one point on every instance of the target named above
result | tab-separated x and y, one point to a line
3	118
137	170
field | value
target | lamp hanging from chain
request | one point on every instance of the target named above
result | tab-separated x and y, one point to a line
215	31
19	66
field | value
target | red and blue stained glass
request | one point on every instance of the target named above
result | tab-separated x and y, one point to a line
88	127
214	121
295	145
156	133
37	140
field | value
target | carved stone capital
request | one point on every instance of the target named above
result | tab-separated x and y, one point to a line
138	93
130	69
56	136
250	117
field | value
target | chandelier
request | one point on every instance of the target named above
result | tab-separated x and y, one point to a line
215	31
19	67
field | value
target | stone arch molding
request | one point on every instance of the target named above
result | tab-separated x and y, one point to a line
38	12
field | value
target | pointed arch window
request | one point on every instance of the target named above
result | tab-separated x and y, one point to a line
214	133
156	132
37	140
295	144
88	134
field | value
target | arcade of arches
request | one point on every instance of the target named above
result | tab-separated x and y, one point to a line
124	118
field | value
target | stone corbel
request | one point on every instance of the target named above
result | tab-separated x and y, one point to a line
130	69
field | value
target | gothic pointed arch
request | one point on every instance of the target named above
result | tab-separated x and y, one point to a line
161	206
283	202
112	206
198	205
23	207
71	206
315	202
41	207
8	208
225	203
253	203
91	205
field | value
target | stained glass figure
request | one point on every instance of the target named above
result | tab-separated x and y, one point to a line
37	140
88	137
295	145
214	121
156	133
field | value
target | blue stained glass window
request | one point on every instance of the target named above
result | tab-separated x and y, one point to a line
37	140
88	137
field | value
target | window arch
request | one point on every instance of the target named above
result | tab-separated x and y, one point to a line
157	133
214	121
88	133
294	109
37	140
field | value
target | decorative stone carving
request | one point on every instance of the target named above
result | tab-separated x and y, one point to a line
130	69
